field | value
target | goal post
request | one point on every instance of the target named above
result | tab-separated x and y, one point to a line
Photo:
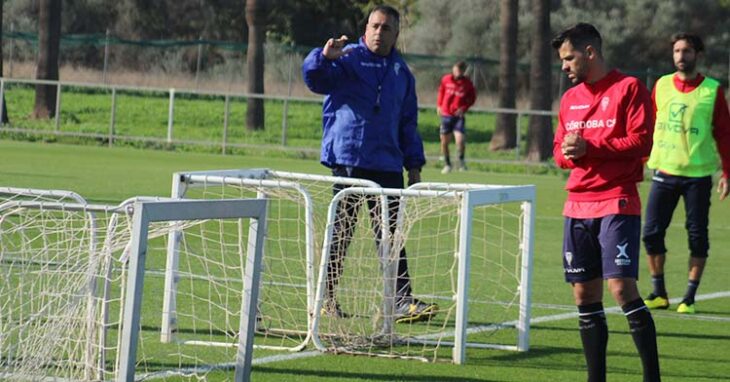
148	212
469	250
64	291
34	194
473	198
295	224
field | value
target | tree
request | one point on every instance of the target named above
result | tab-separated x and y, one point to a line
505	132
49	40
540	131
256	21
4	112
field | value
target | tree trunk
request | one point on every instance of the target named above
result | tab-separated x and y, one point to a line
505	132
255	19
540	131
49	40
4	112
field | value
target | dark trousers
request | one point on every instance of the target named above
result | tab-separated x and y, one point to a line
663	198
347	218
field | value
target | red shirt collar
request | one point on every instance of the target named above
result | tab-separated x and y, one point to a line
604	82
688	85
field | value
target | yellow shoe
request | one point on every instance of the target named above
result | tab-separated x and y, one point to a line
685	308
413	310
656	302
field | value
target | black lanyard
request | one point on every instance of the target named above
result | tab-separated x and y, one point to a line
376	107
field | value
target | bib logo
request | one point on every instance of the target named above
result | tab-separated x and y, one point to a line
396	68
676	112
604	103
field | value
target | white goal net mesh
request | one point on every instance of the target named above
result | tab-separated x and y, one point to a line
296	218
63	274
330	275
423	315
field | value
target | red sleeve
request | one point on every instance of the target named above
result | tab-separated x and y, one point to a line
558	156
440	96
639	128
721	131
653	99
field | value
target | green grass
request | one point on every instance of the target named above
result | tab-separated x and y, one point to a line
691	348
144	114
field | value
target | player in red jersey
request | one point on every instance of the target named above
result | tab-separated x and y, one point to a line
604	130
455	96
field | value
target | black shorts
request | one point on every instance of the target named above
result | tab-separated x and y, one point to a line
386	179
451	124
606	247
663	198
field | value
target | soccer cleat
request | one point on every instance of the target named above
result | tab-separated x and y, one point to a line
446	169
685	308
412	310
331	308
656	302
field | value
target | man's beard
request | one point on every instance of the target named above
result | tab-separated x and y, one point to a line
689	66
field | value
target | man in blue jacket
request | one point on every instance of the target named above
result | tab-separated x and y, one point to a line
369	119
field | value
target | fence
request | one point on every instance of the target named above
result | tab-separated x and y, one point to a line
179	70
174	96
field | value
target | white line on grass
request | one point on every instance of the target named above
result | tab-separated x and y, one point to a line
537	320
616	309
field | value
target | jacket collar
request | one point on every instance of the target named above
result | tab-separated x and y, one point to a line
393	55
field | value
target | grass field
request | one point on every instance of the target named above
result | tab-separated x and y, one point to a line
692	348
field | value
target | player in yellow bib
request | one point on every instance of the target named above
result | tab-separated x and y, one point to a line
692	127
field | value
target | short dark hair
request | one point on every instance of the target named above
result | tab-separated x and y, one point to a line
461	65
692	39
580	35
388	10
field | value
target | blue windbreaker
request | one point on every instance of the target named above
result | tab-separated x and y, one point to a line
356	132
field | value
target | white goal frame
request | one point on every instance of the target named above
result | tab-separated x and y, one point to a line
148	212
473	195
263	179
144	210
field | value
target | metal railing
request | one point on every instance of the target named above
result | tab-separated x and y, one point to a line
112	135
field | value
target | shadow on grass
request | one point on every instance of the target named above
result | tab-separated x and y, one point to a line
432	135
213	332
572	360
339	375
660	333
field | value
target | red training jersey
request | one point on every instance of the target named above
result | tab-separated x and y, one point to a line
720	118
455	94
616	118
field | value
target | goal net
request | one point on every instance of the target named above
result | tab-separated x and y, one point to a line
468	251
64	280
296	217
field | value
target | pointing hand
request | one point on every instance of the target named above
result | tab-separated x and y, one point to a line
333	48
